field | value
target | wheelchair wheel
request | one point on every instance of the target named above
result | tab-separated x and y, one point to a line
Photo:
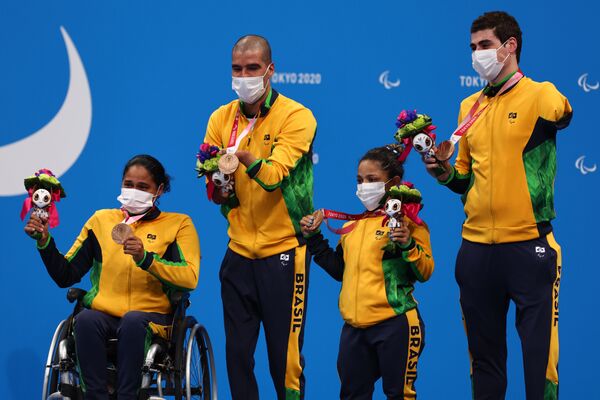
51	371
194	358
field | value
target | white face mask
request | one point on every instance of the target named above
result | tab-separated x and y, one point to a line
486	64
370	194
136	201
249	89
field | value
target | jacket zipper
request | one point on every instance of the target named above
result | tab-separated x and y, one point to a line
492	132
249	194
129	284
249	187
358	265
129	293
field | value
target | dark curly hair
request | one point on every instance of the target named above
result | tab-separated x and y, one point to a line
387	156
504	26
154	167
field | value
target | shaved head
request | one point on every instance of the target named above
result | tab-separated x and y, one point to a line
254	43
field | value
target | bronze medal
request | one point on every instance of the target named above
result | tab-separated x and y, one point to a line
444	151
228	163
121	232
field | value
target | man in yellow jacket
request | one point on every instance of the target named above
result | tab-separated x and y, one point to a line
505	172
264	274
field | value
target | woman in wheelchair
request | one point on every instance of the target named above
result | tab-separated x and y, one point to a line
136	256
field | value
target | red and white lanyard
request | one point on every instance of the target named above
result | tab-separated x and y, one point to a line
234	139
330	214
130	220
473	114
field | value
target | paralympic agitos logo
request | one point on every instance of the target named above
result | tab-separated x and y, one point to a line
582	82
384	79
584	169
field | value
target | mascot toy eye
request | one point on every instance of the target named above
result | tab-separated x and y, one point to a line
220	179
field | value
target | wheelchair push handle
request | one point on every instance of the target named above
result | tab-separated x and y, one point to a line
75	294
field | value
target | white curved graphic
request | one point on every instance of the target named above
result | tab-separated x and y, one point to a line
57	145
582	168
315	158
384	79
582	82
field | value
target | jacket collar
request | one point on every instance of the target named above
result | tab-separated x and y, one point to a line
492	90
265	107
152	214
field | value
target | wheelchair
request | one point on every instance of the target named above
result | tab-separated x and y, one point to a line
181	367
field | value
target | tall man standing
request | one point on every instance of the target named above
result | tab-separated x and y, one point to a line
505	172
264	274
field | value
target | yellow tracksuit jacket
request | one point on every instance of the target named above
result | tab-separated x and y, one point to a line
376	285
506	163
275	192
171	262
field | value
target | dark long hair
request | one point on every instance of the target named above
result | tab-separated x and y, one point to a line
387	156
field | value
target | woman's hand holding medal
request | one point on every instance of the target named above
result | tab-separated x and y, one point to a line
134	247
309	224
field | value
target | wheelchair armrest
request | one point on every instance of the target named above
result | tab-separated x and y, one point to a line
75	294
180	299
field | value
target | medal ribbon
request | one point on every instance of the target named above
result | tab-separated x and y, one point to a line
234	140
331	214
130	220
473	114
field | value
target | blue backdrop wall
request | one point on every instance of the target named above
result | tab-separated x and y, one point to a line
155	70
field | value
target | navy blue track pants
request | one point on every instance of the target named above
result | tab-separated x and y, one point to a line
489	277
93	329
271	290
